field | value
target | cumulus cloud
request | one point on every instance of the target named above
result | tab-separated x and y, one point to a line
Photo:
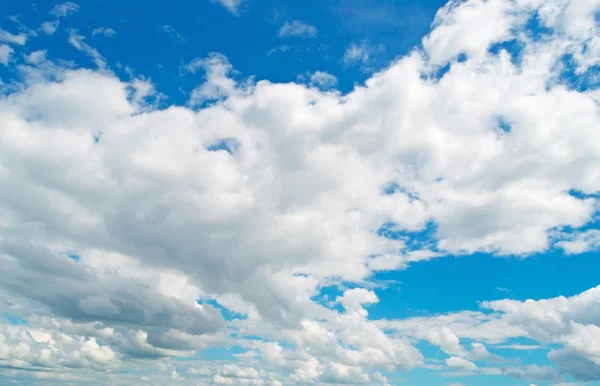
139	224
580	242
297	28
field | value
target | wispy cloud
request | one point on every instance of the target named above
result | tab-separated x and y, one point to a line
78	42
360	53
298	29
233	6
174	34
281	48
108	32
64	9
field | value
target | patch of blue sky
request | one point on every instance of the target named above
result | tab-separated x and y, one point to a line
230	145
15	319
327	296
571	77
415	240
227	314
456	283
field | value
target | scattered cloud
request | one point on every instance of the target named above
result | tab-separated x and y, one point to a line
78	41
50	27
174	34
152	233
233	6
5	54
108	32
297	28
360	53
64	9
580	242
282	48
7	37
323	79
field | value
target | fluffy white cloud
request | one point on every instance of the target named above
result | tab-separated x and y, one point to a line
580	242
50	27
134	220
458	363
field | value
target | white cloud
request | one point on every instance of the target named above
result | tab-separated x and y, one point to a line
50	27
5	54
281	48
580	242
323	79
7	37
232	6
360	53
462	364
108	32
64	9
126	215
297	28
78	41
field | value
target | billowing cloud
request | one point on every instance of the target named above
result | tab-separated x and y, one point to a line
154	232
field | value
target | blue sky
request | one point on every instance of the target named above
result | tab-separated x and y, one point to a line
278	192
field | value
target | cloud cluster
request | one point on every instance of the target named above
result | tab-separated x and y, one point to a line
153	233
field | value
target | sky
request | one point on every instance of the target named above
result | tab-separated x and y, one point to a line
318	192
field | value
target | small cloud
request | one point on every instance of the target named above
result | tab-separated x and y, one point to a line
232	6
78	42
582	242
50	27
298	29
460	364
282	48
108	32
7	37
174	34
357	53
5	54
64	9
323	80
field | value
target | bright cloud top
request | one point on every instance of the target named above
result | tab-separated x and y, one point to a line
133	233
